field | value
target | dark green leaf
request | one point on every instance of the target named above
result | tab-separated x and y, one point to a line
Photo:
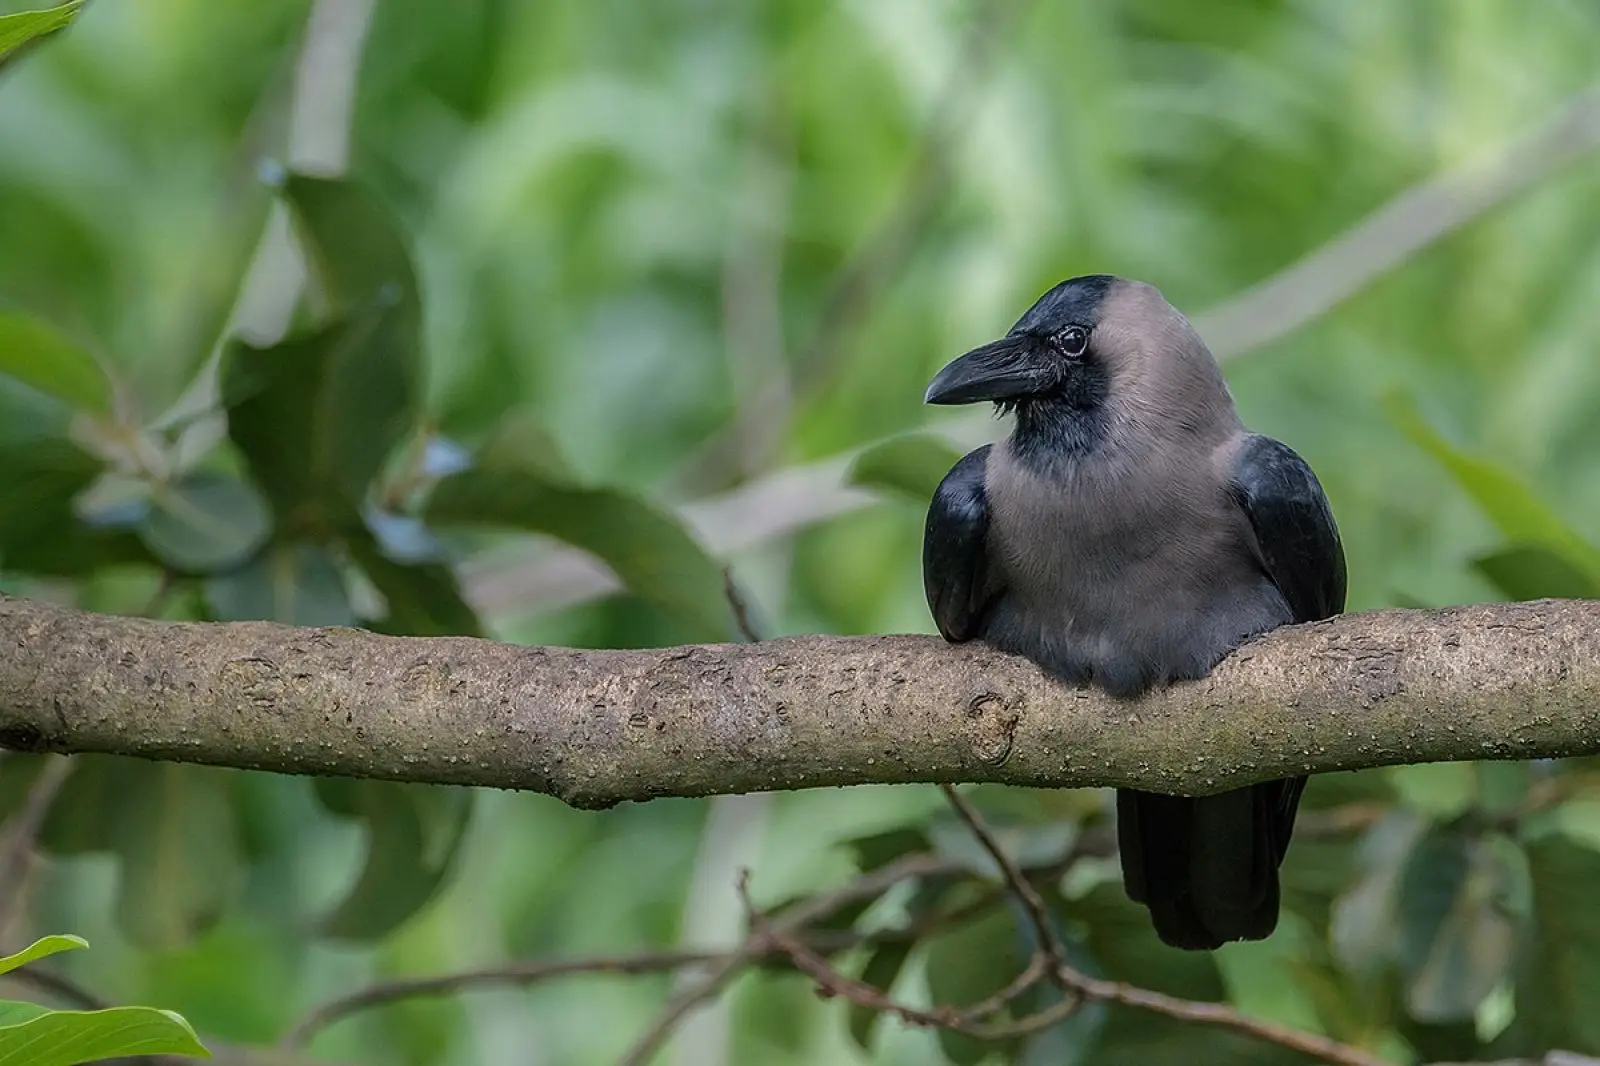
971	963
521	441
69	1037
423	599
654	556
18	29
1559	967
1118	933
1456	938
38	483
34	353
297	584
413	834
42	948
1073	1041
1029	845
173	829
355	244
880	849
1365	926
1518	512
912	465
208	521
1533	572
883	965
317	415
42	472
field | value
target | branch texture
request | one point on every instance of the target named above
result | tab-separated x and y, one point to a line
1493	681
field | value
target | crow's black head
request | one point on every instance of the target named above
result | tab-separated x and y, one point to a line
1095	355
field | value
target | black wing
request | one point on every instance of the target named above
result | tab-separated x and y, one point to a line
1298	544
1296	538
954	564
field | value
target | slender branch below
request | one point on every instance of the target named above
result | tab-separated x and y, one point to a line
1494	681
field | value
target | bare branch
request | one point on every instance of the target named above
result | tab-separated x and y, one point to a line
758	943
517	974
1492	681
1049	944
1222	1016
21	834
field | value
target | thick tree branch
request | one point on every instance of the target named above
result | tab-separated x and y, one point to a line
598	727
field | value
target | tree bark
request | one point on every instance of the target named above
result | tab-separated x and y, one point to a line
1492	681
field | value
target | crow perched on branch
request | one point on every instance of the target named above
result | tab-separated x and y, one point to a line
1128	533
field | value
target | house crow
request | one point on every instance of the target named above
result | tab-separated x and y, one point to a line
1128	533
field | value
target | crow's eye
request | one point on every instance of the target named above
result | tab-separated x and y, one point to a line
1072	341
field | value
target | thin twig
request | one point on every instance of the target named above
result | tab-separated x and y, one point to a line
797	917
24	831
1088	988
740	606
822	943
525	973
1049	942
972	1019
1220	1015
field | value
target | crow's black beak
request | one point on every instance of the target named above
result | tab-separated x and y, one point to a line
1004	370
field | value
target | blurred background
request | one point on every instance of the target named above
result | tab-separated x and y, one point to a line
702	258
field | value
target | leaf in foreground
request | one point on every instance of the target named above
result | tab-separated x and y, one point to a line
34	353
31	1035
655	557
18	29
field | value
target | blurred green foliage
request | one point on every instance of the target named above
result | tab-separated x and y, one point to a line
587	268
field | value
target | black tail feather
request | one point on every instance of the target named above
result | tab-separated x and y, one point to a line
1207	868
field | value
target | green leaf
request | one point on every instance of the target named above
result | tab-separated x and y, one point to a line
173	829
12	1012
880	970
1559	967
42	474
879	849
68	1037
1456	937
207	521
18	29
42	948
971	963
34	353
654	556
1074	1041
355	245
413	835
39	481
912	464
1518	512
1532	572
297	584
1365	925
318	414
1118	935
424	599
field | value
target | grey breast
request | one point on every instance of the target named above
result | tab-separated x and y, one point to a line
1128	569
